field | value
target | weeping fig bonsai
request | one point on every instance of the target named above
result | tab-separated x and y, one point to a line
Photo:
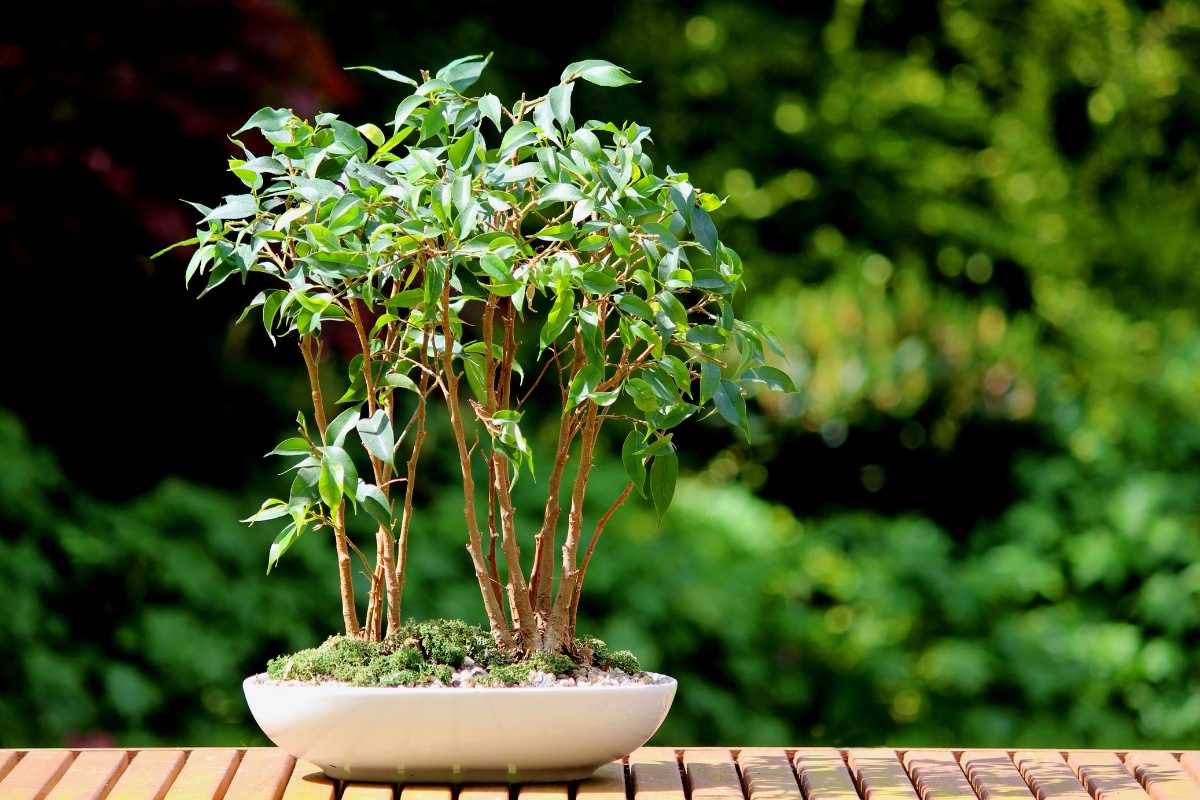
481	252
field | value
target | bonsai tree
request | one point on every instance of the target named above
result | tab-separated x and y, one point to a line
480	251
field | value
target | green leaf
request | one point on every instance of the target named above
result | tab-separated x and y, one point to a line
706	334
342	424
671	313
710	379
283	542
295	446
632	304
559	316
338	476
462	151
582	385
587	143
372	134
664	471
375	432
773	377
489	106
270	509
704	230
635	464
433	124
732	406
267	119
391	75
599	72
462	72
678	372
522	172
560	193
399	380
371	498
560	102
170	247
619	236
235	207
642	394
516	137
598	282
543	118
407	106
557	233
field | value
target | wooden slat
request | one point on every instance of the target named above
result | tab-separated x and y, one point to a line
768	774
149	775
937	775
8	760
35	774
309	783
483	791
90	776
1190	761
1049	776
1104	776
370	791
654	772
1162	775
994	776
711	774
879	774
424	791
823	774
607	783
544	791
205	775
262	775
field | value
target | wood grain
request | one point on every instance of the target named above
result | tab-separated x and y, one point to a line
712	774
608	783
35	774
654	772
768	775
205	775
90	776
879	774
1162	775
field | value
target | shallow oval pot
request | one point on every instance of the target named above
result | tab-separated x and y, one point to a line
458	735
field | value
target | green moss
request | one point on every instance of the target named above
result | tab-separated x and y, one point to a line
506	675
553	663
591	649
624	661
422	653
449	641
406	658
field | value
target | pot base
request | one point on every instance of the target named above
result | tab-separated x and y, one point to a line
458	735
371	775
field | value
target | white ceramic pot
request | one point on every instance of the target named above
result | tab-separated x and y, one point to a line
458	735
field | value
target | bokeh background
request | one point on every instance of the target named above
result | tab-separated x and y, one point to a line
973	225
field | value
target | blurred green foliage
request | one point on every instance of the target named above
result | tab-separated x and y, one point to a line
973	225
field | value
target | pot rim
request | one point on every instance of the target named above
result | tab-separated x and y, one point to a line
261	680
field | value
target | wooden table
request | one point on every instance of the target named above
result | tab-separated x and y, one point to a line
652	773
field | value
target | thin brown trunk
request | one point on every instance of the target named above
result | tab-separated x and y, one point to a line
543	552
411	479
494	537
556	632
308	348
518	592
542	579
495	614
385	543
587	557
